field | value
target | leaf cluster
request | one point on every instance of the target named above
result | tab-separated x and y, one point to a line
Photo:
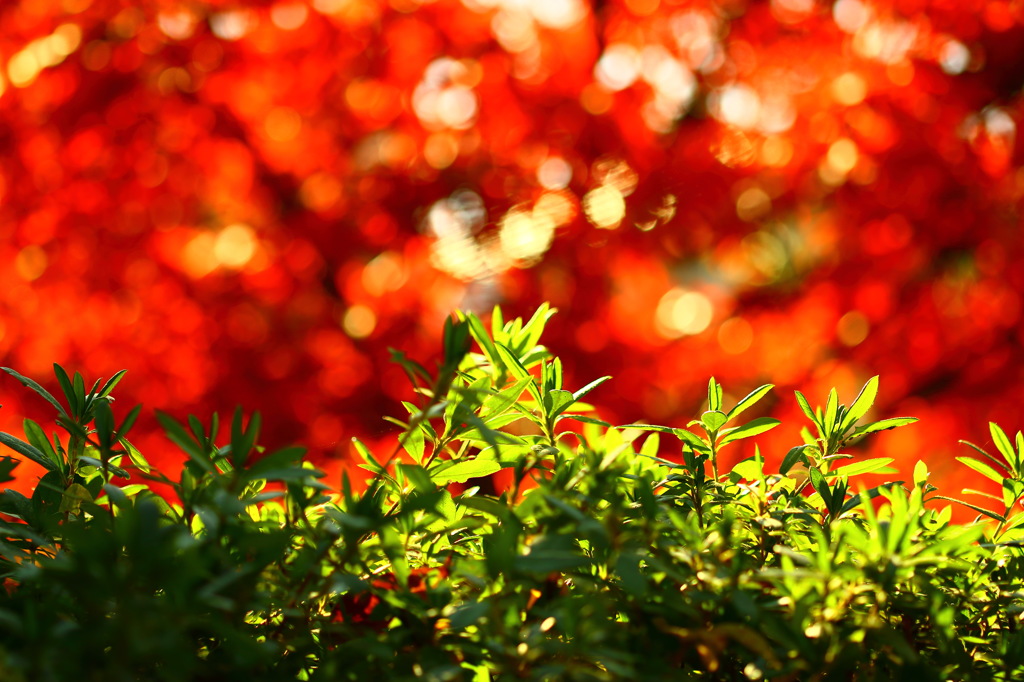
605	557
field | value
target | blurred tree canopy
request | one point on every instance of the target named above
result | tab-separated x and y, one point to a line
250	202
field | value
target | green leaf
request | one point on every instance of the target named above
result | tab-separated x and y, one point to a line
465	470
861	404
806	408
751	428
556	402
883	425
25	381
280	465
243	439
831	410
585	419
477	330
111	384
713	420
864	467
693	440
413	442
792	457
980	510
37	438
650	446
855	500
921	473
93	462
65	385
982	468
750	399
498	403
534	327
78	385
578	395
1003	445
652	427
714	395
749	469
129	421
820	486
520	372
29	451
180	437
418	476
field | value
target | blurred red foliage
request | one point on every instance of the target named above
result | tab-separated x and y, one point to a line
249	202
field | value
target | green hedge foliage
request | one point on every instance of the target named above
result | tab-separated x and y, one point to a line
600	561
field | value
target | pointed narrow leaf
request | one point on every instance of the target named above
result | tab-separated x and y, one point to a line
583	418
177	433
693	440
28	383
863	467
651	427
750	399
820	486
534	327
28	450
714	395
806	408
980	510
751	428
982	468
112	383
861	404
129	421
476	329
1002	443
883	425
578	395
65	385
78	385
972	491
791	458
518	371
983	453
37	438
828	422
855	500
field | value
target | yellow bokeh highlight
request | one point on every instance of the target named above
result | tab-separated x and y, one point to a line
440	150
384	273
359	321
525	235
752	204
235	246
605	207
25	66
842	157
852	328
849	89
30	263
197	258
776	152
683	313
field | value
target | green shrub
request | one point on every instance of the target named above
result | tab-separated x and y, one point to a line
600	561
